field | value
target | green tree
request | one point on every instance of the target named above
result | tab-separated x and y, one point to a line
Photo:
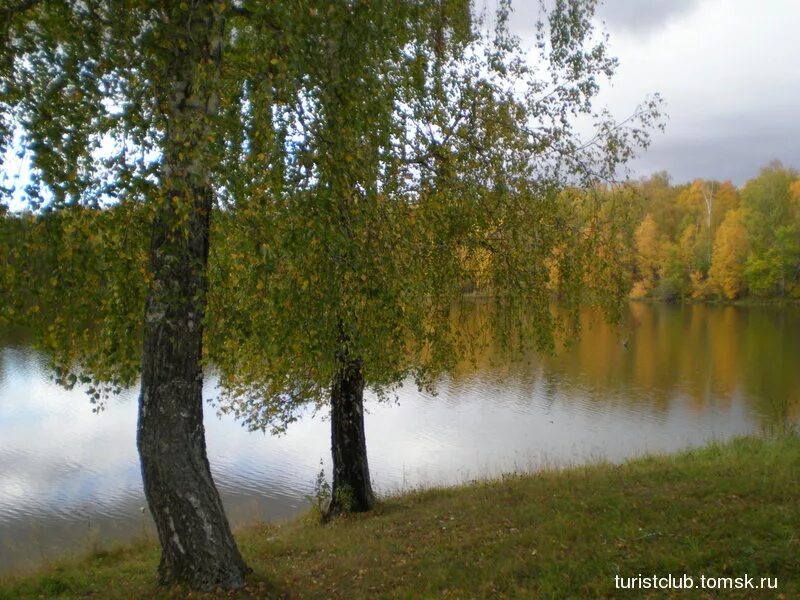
357	150
660	200
426	161
677	262
767	201
775	270
772	228
117	102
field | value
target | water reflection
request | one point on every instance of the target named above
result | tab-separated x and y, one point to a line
668	378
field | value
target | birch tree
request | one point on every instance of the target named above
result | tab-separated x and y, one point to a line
420	140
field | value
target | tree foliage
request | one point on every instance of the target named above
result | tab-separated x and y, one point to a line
709	239
367	159
363	162
417	168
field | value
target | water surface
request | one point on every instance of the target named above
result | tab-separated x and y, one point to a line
668	378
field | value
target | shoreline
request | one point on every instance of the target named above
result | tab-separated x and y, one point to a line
728	508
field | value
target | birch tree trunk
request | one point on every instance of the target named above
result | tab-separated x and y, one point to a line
352	489
198	548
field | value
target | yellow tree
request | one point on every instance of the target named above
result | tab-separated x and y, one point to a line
707	203
728	259
648	251
697	199
725	200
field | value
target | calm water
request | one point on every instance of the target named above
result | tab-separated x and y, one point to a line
669	378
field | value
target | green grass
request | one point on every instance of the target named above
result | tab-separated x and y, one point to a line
725	510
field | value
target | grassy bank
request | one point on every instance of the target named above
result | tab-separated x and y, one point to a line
725	510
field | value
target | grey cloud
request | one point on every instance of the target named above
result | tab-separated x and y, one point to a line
638	17
643	16
733	154
728	73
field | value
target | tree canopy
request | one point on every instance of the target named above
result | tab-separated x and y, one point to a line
428	168
296	193
366	159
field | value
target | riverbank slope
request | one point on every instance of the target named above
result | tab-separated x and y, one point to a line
726	510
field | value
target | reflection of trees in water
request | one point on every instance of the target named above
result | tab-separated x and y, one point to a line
657	355
16	356
771	348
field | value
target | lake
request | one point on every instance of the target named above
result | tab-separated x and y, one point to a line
669	377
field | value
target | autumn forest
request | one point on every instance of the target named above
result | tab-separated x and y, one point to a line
710	240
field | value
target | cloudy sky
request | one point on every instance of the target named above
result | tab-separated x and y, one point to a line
729	71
